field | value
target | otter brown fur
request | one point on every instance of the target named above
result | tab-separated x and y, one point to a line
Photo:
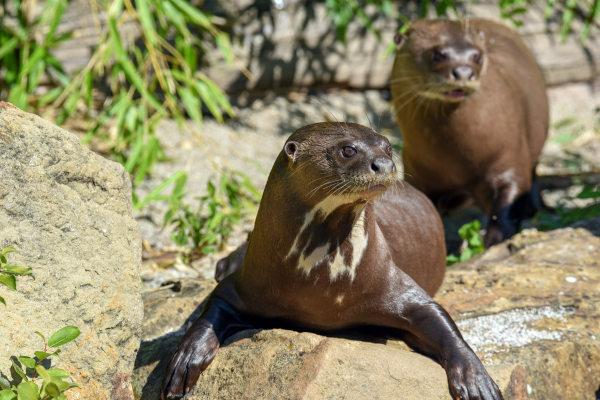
471	103
338	242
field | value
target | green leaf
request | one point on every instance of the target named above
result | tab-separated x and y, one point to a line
9	281
194	15
42	355
128	68
27	391
7	250
63	336
147	21
52	390
43	373
191	103
224	46
58	373
7	394
8	46
27	361
17	269
4	383
209	100
176	18
16	368
156	193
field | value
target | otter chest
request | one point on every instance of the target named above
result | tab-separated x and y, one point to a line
316	245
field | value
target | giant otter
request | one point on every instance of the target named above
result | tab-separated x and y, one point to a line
338	242
472	107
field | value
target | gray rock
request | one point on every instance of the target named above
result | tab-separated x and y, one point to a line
68	212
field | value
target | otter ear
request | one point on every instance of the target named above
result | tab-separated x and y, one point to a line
291	150
401	36
399	39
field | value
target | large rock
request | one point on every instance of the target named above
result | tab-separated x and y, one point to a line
530	308
68	212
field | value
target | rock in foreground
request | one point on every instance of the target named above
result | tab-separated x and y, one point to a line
530	308
68	212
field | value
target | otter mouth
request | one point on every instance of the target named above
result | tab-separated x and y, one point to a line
369	187
456	94
451	93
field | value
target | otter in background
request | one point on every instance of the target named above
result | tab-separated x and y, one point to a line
471	103
338	242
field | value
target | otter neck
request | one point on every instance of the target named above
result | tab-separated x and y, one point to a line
303	236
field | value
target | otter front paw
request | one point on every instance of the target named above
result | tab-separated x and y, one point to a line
468	379
194	355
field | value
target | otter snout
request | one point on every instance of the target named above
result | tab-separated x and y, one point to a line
457	63
463	73
382	165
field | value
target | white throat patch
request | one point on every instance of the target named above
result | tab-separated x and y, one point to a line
338	266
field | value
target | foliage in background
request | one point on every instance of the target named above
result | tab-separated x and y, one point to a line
129	85
33	378
158	76
9	272
26	43
472	245
565	12
205	226
563	216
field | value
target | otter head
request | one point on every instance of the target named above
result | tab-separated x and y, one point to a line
446	58
345	160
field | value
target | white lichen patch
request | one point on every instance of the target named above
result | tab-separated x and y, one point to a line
511	328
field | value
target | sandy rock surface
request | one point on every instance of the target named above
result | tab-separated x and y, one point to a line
529	307
68	212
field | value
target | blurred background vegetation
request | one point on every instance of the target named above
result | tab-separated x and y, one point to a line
150	64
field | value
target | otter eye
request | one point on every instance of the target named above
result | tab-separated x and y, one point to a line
348	151
476	58
438	56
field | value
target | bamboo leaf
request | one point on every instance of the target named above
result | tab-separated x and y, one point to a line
147	21
224	46
209	100
8	47
194	15
128	68
191	103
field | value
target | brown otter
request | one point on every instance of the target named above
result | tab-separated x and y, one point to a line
471	103
338	242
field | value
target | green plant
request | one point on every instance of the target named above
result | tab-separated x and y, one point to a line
33	377
563	216
156	77
343	12
9	272
470	233
206	226
26	43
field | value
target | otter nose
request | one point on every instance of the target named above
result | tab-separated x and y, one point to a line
382	165
463	73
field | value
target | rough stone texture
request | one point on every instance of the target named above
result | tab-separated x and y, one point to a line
68	212
530	308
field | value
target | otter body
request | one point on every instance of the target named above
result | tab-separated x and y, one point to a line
338	242
471	103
